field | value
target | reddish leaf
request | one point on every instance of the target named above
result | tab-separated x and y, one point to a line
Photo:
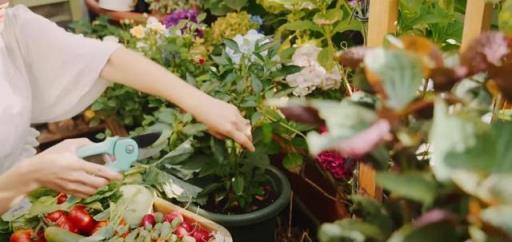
352	57
445	78
365	141
431	55
502	76
488	50
302	114
435	216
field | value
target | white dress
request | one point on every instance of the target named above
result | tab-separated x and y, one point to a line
46	74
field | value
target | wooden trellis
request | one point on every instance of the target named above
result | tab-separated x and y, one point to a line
382	21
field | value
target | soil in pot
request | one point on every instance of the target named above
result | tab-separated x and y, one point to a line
270	195
259	225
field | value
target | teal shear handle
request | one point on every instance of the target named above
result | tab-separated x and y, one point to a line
123	152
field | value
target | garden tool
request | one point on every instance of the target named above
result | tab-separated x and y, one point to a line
118	153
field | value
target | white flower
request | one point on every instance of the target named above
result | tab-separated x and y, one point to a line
110	39
313	75
141	45
155	25
246	44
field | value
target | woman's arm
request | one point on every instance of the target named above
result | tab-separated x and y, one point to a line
222	119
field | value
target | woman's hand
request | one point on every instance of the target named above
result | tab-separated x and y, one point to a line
224	120
60	169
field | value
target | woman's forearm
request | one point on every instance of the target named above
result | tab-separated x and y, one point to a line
14	185
134	70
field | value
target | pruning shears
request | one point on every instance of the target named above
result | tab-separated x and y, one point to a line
118	153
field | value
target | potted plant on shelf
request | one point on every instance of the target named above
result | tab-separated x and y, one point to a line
238	189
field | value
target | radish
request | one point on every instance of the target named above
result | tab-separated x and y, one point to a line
181	232
201	235
148	220
173	215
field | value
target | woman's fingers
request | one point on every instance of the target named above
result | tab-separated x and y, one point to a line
79	189
242	139
100	171
89	180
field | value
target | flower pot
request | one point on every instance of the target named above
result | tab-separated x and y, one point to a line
257	226
118	5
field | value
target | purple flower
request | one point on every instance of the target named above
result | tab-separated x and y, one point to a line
175	17
334	163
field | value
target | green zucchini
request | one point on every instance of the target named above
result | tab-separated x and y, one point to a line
54	234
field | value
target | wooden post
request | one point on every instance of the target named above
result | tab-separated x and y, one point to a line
382	21
477	19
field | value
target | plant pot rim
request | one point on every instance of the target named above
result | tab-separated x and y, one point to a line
238	220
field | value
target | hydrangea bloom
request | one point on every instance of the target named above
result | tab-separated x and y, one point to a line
246	44
313	75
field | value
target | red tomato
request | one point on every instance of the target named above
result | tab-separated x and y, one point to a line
55	216
22	236
201	235
148	219
62	198
65	223
79	217
99	226
26	235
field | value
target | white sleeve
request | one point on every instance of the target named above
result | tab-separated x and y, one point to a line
63	68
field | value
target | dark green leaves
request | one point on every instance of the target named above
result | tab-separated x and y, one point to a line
418	187
293	163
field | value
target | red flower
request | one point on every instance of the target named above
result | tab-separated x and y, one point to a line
337	165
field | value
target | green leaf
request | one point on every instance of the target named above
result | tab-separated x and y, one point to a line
236	4
218	149
373	212
232	45
505	17
326	58
499	217
181	153
415	186
328	17
194	129
399	73
301	26
239	185
349	230
348	24
257	86
293	163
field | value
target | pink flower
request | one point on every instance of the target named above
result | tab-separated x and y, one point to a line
337	165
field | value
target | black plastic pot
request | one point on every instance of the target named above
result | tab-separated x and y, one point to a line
260	225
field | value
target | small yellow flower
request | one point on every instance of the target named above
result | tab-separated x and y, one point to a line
138	32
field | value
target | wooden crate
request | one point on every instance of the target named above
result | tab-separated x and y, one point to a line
164	206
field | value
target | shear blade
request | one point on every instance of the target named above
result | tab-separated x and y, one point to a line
146	140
